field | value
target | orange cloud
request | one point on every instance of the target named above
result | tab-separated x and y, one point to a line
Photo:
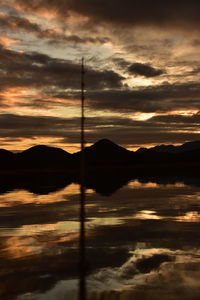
6	41
13	94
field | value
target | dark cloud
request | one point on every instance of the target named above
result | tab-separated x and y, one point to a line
145	70
20	69
121	130
178	119
55	37
132	12
161	98
120	62
34	126
17	23
58	78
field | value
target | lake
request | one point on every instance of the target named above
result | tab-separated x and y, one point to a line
143	241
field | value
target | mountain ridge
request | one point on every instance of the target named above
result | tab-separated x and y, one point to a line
103	153
188	146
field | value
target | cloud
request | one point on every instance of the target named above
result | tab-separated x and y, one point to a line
121	130
18	23
145	70
6	41
32	69
160	98
178	119
132	12
60	79
21	24
120	62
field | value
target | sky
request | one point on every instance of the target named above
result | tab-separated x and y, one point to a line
142	72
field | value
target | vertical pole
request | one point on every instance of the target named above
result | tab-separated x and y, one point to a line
82	278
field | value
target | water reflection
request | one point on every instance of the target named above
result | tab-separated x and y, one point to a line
18	197
147	215
142	241
150	274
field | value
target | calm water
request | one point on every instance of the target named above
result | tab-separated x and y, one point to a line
143	241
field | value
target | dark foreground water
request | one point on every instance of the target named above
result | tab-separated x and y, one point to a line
143	242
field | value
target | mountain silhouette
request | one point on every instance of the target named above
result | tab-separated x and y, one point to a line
189	146
43	156
43	169
107	147
103	154
6	159
6	153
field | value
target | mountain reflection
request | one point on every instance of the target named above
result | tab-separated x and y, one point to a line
142	241
104	183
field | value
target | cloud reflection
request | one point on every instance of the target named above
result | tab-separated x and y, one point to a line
146	233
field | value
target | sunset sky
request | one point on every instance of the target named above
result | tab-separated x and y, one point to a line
142	72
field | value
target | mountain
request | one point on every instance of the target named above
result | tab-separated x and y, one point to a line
4	154
43	156
105	153
40	150
6	159
106	148
189	146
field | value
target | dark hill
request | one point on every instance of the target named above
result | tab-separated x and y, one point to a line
6	159
189	146
40	150
189	156
105	153
43	156
4	154
106	149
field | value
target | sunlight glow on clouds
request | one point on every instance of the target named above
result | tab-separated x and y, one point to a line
142	61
